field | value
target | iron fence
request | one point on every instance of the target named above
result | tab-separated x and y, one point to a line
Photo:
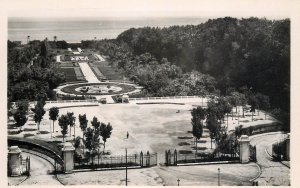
174	158
103	161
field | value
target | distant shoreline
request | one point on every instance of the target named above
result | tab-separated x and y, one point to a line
73	31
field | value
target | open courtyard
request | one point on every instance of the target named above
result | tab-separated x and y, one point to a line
153	128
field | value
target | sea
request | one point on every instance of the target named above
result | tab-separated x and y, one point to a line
76	29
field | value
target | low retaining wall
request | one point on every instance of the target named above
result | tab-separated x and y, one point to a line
40	146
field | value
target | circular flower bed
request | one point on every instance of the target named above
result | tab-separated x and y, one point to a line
98	89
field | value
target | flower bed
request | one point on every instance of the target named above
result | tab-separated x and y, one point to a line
71	89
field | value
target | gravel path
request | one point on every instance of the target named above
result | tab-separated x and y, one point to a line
273	173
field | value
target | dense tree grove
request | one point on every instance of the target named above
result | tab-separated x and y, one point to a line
30	71
235	54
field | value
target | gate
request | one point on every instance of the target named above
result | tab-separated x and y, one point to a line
25	165
171	158
252	150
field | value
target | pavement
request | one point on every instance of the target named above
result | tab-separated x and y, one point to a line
273	173
199	175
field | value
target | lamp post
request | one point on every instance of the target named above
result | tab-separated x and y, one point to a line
219	183
126	165
178	180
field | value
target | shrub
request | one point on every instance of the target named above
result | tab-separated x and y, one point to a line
103	101
183	144
28	135
29	129
14	132
185	137
185	152
44	132
199	148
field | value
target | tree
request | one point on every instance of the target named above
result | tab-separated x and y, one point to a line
71	121
92	141
105	132
197	132
63	122
198	115
53	115
253	101
224	106
238	131
39	112
95	123
44	49
83	125
22	105
20	118
263	102
237	99
213	125
77	142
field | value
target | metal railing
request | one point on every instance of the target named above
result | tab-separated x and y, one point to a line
103	161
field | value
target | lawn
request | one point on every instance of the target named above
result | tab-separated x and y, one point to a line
107	71
71	74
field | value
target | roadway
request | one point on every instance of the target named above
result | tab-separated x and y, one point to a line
273	173
40	170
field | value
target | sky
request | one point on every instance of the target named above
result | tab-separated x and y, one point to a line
136	9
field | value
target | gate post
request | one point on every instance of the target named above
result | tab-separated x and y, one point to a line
175	157
244	149
169	158
14	161
141	159
166	156
148	159
288	147
68	153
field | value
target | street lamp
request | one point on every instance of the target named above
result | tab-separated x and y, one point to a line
178	180
126	164
125	146
219	183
